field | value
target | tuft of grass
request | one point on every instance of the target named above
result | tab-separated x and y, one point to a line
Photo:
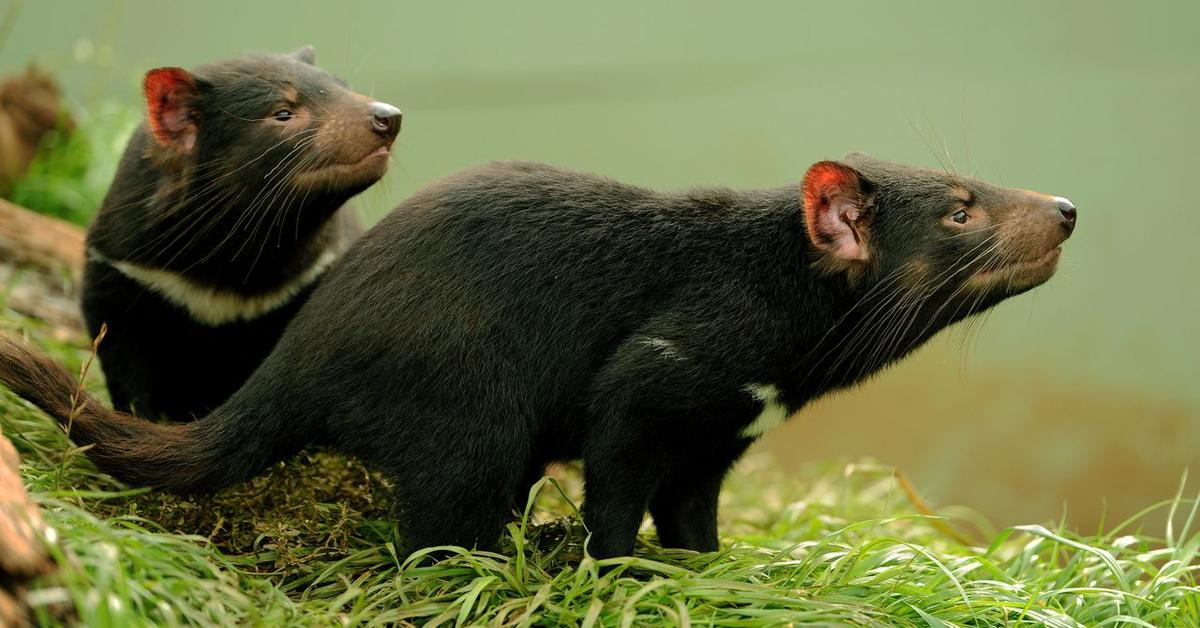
309	543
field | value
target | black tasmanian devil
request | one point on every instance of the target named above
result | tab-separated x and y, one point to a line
516	313
229	203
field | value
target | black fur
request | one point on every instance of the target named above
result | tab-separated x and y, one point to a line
246	205
517	314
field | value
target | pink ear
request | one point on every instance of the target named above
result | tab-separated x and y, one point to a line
833	202
170	106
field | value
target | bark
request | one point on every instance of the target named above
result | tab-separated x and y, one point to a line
31	239
22	534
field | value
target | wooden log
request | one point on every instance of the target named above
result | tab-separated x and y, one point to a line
29	238
54	250
46	298
22	534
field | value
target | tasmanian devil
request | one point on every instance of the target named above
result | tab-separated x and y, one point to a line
517	313
228	204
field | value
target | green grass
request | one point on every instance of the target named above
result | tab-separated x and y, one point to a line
70	173
310	543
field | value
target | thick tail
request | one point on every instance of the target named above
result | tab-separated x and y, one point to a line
199	457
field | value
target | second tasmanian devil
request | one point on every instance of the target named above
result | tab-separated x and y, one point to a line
228	205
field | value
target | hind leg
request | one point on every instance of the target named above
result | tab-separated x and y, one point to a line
458	495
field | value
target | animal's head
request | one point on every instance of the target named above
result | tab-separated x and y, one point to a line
948	242
276	125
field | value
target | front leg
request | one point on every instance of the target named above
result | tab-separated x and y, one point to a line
685	505
620	474
644	465
666	421
129	373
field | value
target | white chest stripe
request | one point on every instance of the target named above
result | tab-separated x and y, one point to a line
214	306
773	412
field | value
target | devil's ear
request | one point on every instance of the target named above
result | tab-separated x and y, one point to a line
307	54
835	196
172	96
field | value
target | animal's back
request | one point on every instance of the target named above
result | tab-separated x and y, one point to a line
509	283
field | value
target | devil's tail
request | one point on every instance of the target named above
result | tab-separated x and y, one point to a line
198	457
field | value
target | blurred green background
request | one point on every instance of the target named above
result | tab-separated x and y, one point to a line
1080	396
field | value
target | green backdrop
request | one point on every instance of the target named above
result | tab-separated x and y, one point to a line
1083	390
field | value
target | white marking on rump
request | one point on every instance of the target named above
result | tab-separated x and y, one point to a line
215	306
663	346
773	411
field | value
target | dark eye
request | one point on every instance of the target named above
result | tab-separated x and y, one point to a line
283	115
960	217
